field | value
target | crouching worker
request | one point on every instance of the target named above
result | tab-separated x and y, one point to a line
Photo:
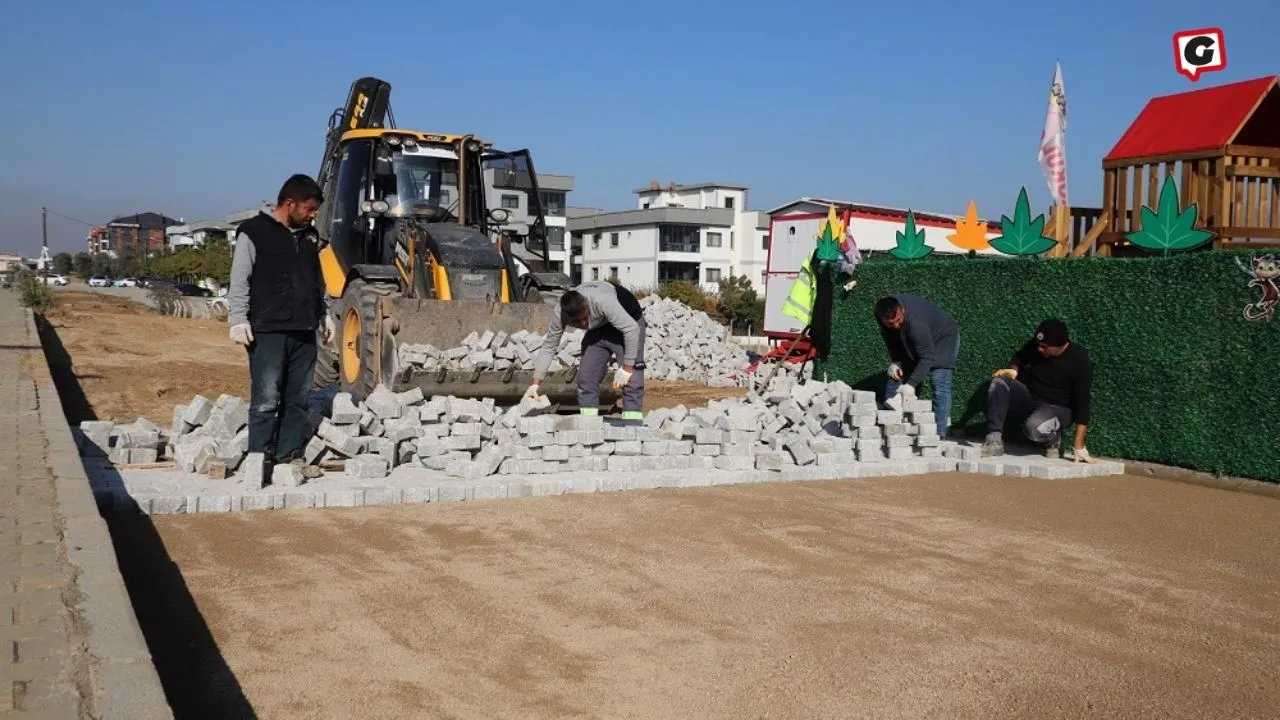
1047	386
615	327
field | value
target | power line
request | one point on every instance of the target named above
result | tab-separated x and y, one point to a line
74	220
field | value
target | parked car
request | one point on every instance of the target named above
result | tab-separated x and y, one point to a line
126	282
99	281
57	280
185	289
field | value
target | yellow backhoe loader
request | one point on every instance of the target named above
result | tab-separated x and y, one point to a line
412	254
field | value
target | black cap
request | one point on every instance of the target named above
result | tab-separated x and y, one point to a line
1052	332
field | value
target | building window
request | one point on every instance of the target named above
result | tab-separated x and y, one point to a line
679	238
713	275
511	202
552	203
613	240
555	238
713	239
764	241
613	273
595	273
730	239
728	202
764	277
595	241
646	206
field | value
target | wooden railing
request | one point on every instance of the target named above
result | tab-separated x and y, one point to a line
1236	191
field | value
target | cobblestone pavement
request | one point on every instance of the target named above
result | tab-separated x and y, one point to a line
45	666
70	645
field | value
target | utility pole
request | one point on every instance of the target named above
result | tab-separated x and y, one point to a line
44	244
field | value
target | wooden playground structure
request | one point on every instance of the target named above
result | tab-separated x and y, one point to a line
1222	147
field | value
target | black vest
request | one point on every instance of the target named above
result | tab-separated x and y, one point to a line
285	285
629	302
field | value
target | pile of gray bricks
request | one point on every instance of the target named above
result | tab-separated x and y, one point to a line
682	344
794	424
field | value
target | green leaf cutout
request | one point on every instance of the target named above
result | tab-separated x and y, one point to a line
828	245
1169	229
1022	235
911	245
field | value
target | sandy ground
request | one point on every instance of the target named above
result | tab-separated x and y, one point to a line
948	596
130	361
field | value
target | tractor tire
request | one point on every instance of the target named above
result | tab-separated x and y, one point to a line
361	356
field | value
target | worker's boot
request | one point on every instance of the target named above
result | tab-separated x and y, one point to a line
1053	450
993	445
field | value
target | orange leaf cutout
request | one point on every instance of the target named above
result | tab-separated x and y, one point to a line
971	233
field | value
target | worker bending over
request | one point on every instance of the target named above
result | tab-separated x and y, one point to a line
923	341
615	327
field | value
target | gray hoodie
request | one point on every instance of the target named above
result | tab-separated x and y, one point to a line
603	309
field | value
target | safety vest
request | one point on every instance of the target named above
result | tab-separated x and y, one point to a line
799	302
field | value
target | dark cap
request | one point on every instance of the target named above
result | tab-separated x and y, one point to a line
1052	332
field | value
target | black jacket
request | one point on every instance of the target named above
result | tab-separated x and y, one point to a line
926	340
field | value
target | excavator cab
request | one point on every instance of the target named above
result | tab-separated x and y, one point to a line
413	252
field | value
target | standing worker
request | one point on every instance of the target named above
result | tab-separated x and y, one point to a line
276	305
615	327
923	341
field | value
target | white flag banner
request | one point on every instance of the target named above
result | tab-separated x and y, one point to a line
1053	140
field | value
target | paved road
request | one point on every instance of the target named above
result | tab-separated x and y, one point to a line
70	646
197	306
43	671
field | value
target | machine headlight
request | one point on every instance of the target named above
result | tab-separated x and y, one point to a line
473	147
410	144
393	140
374	207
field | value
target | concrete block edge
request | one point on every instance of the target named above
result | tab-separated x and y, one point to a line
86	529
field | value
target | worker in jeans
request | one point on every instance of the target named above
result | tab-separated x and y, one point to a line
923	342
615	327
276	306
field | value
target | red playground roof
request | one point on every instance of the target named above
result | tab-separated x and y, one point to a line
1191	121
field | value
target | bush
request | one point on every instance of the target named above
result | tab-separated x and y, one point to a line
1181	378
688	293
165	297
34	293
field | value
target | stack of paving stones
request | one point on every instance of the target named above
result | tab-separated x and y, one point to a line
397	446
682	344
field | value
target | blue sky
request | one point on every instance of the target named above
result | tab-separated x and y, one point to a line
115	108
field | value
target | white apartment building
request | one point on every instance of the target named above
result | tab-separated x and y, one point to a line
512	194
701	233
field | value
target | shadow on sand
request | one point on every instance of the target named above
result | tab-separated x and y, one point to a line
197	681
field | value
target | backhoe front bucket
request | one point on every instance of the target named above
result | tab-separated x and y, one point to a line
446	323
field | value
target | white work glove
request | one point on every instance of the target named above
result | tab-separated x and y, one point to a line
328	329
620	378
1082	456
895	372
530	394
242	333
899	400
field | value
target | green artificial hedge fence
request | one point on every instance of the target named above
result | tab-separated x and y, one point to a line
1181	377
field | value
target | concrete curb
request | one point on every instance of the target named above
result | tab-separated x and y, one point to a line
123	675
1204	479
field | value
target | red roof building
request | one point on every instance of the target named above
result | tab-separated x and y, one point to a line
1202	121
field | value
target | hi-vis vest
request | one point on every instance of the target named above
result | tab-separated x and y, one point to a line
799	302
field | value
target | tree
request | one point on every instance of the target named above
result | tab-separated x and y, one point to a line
83	265
62	263
688	293
738	302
